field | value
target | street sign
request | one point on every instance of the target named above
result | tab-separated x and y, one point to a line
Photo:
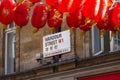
57	43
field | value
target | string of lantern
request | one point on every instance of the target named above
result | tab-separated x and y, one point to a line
82	14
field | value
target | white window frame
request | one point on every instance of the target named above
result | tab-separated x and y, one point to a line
93	43
112	43
7	31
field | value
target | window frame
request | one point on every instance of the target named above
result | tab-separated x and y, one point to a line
93	42
8	31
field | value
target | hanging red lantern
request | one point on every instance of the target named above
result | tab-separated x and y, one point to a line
111	25
74	20
39	16
106	23
116	14
90	10
103	24
21	14
84	27
65	6
54	20
7	14
105	20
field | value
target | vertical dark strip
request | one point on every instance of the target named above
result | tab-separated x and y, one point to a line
19	52
107	42
90	44
15	52
74	47
3	52
56	58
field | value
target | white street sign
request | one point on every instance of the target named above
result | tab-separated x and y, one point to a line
57	43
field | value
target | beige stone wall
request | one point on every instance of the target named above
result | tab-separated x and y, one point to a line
1	63
31	44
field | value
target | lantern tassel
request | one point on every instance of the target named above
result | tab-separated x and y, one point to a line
87	20
4	26
117	28
52	30
91	26
82	33
31	4
35	30
113	34
72	30
94	23
67	14
49	8
102	33
57	15
18	28
20	1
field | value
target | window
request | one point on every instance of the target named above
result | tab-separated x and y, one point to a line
100	44
97	41
10	47
115	42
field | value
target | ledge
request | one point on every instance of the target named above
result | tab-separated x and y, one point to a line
103	58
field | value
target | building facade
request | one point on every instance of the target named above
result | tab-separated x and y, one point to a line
21	55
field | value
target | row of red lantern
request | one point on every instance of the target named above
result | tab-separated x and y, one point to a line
19	12
83	15
86	13
80	18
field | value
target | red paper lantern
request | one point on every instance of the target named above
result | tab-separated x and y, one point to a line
90	11
84	27
103	24
116	14
7	14
54	20
111	25
74	19
105	21
21	15
39	16
65	5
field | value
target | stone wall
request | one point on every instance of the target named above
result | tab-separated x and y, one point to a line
31	44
